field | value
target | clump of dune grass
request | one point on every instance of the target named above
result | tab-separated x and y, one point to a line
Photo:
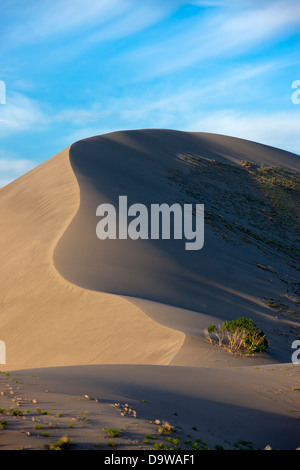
111	443
112	432
150	436
15	412
42	412
175	442
161	446
165	428
62	444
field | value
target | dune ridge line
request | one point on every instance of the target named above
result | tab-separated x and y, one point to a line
46	320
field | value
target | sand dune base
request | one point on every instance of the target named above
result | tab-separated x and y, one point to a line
229	408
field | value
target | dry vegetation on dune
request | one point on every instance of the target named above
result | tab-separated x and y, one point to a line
72	422
250	205
240	336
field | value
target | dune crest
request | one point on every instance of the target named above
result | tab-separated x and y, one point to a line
68	298
46	320
243	230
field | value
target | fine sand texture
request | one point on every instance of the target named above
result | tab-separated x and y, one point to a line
45	320
205	408
125	320
244	231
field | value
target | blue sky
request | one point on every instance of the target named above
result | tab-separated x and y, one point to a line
73	69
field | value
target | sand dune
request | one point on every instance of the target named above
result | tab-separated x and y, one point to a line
127	301
220	281
46	320
131	314
69	299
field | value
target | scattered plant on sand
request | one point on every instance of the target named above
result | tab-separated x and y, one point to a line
165	428
238	336
61	444
112	432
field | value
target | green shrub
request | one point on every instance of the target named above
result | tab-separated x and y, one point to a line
112	432
61	444
42	412
175	442
219	447
161	446
255	340
240	334
15	412
195	446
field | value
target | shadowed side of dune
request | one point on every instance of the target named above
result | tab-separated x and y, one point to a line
152	167
61	286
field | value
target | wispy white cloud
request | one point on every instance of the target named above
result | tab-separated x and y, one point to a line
12	167
205	108
22	85
196	69
209	3
15	165
82	23
81	116
224	34
280	129
180	107
19	114
136	19
240	84
41	20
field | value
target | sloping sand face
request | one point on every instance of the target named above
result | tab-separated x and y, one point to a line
68	298
45	320
142	165
130	314
222	280
210	408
